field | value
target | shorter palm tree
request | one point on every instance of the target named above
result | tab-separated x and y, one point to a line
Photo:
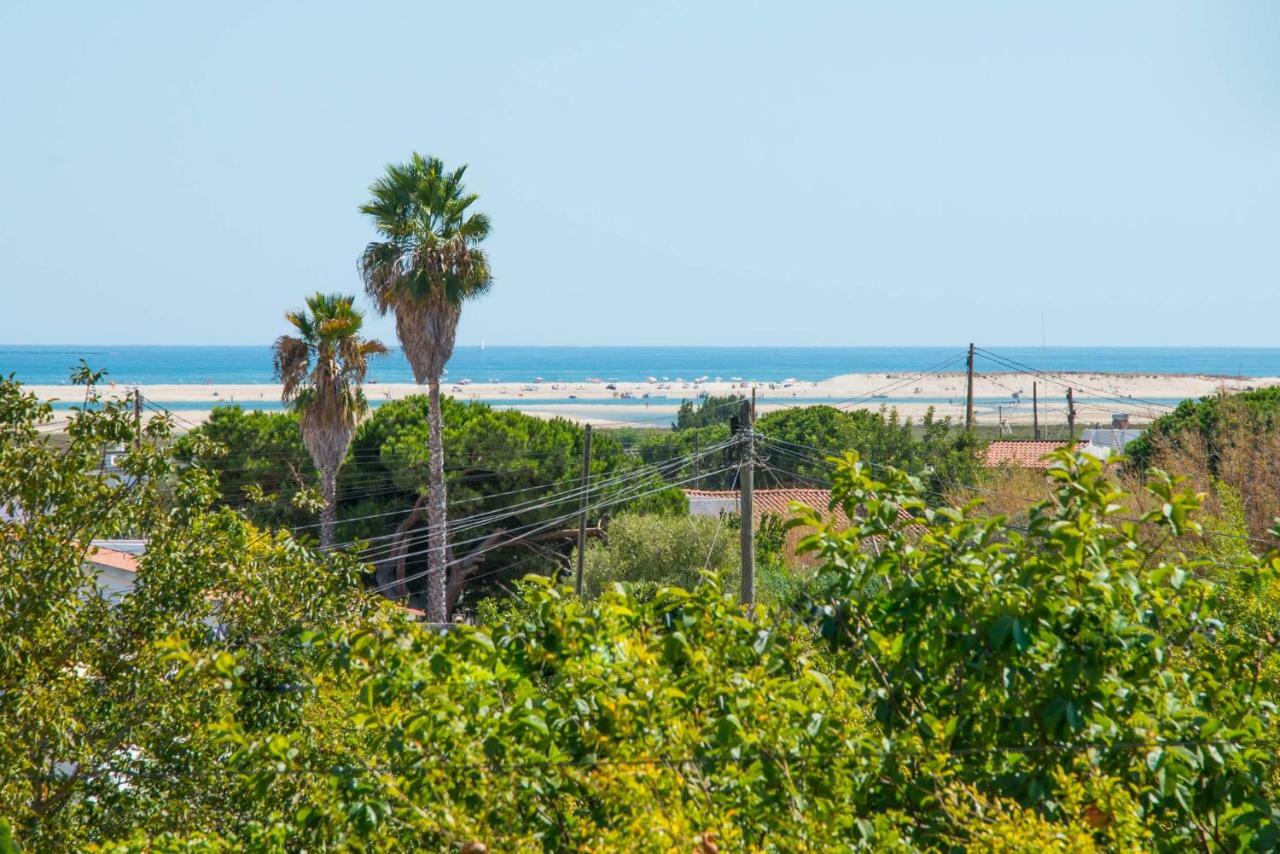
322	369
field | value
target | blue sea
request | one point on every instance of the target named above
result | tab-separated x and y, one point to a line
52	364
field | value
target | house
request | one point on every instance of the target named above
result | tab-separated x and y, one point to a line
115	563
1104	442
1025	453
764	502
1100	442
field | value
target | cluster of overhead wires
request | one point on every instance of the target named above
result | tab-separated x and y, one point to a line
1151	408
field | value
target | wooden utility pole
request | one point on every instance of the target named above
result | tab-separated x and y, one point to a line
697	460
1035	412
582	512
968	397
1071	417
746	477
137	418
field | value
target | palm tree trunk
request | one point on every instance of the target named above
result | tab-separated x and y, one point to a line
329	514
437	606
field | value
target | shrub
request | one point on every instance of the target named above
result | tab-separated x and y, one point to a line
661	551
1002	659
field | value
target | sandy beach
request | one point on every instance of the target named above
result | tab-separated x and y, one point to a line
998	396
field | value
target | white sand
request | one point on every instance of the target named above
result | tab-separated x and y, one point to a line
1097	395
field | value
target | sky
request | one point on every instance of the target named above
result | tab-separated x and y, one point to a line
717	173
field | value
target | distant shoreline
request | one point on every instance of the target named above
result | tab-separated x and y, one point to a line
998	395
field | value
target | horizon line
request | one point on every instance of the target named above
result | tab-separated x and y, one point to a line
397	346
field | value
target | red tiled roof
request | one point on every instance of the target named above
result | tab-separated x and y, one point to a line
1027	453
775	501
112	558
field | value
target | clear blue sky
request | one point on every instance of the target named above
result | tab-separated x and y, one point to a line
691	173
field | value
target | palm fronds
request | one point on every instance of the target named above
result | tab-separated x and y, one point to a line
429	249
322	369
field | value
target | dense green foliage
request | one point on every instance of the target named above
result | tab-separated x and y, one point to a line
1228	446
261	464
1004	658
97	738
661	551
648	551
1078	684
1205	421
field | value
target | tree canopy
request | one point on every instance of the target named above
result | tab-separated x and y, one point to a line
1206	421
1084	681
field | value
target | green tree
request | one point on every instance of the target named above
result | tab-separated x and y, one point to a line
798	441
713	469
428	263
931	449
262	467
624	724
658	551
713	409
511	476
97	739
322	369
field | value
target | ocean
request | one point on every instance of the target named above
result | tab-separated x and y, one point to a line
51	364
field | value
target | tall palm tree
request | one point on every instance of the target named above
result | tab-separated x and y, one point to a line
427	264
322	369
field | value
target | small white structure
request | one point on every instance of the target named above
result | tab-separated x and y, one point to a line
1103	442
711	503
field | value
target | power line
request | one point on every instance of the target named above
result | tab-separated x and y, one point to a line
640	476
542	502
1057	379
602	483
539	529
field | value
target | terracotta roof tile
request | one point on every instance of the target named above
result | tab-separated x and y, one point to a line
775	501
110	557
1027	453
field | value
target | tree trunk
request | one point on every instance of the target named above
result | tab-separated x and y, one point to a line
329	514
437	605
400	550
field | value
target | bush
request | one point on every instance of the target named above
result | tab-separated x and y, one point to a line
1005	659
1232	440
648	552
657	551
